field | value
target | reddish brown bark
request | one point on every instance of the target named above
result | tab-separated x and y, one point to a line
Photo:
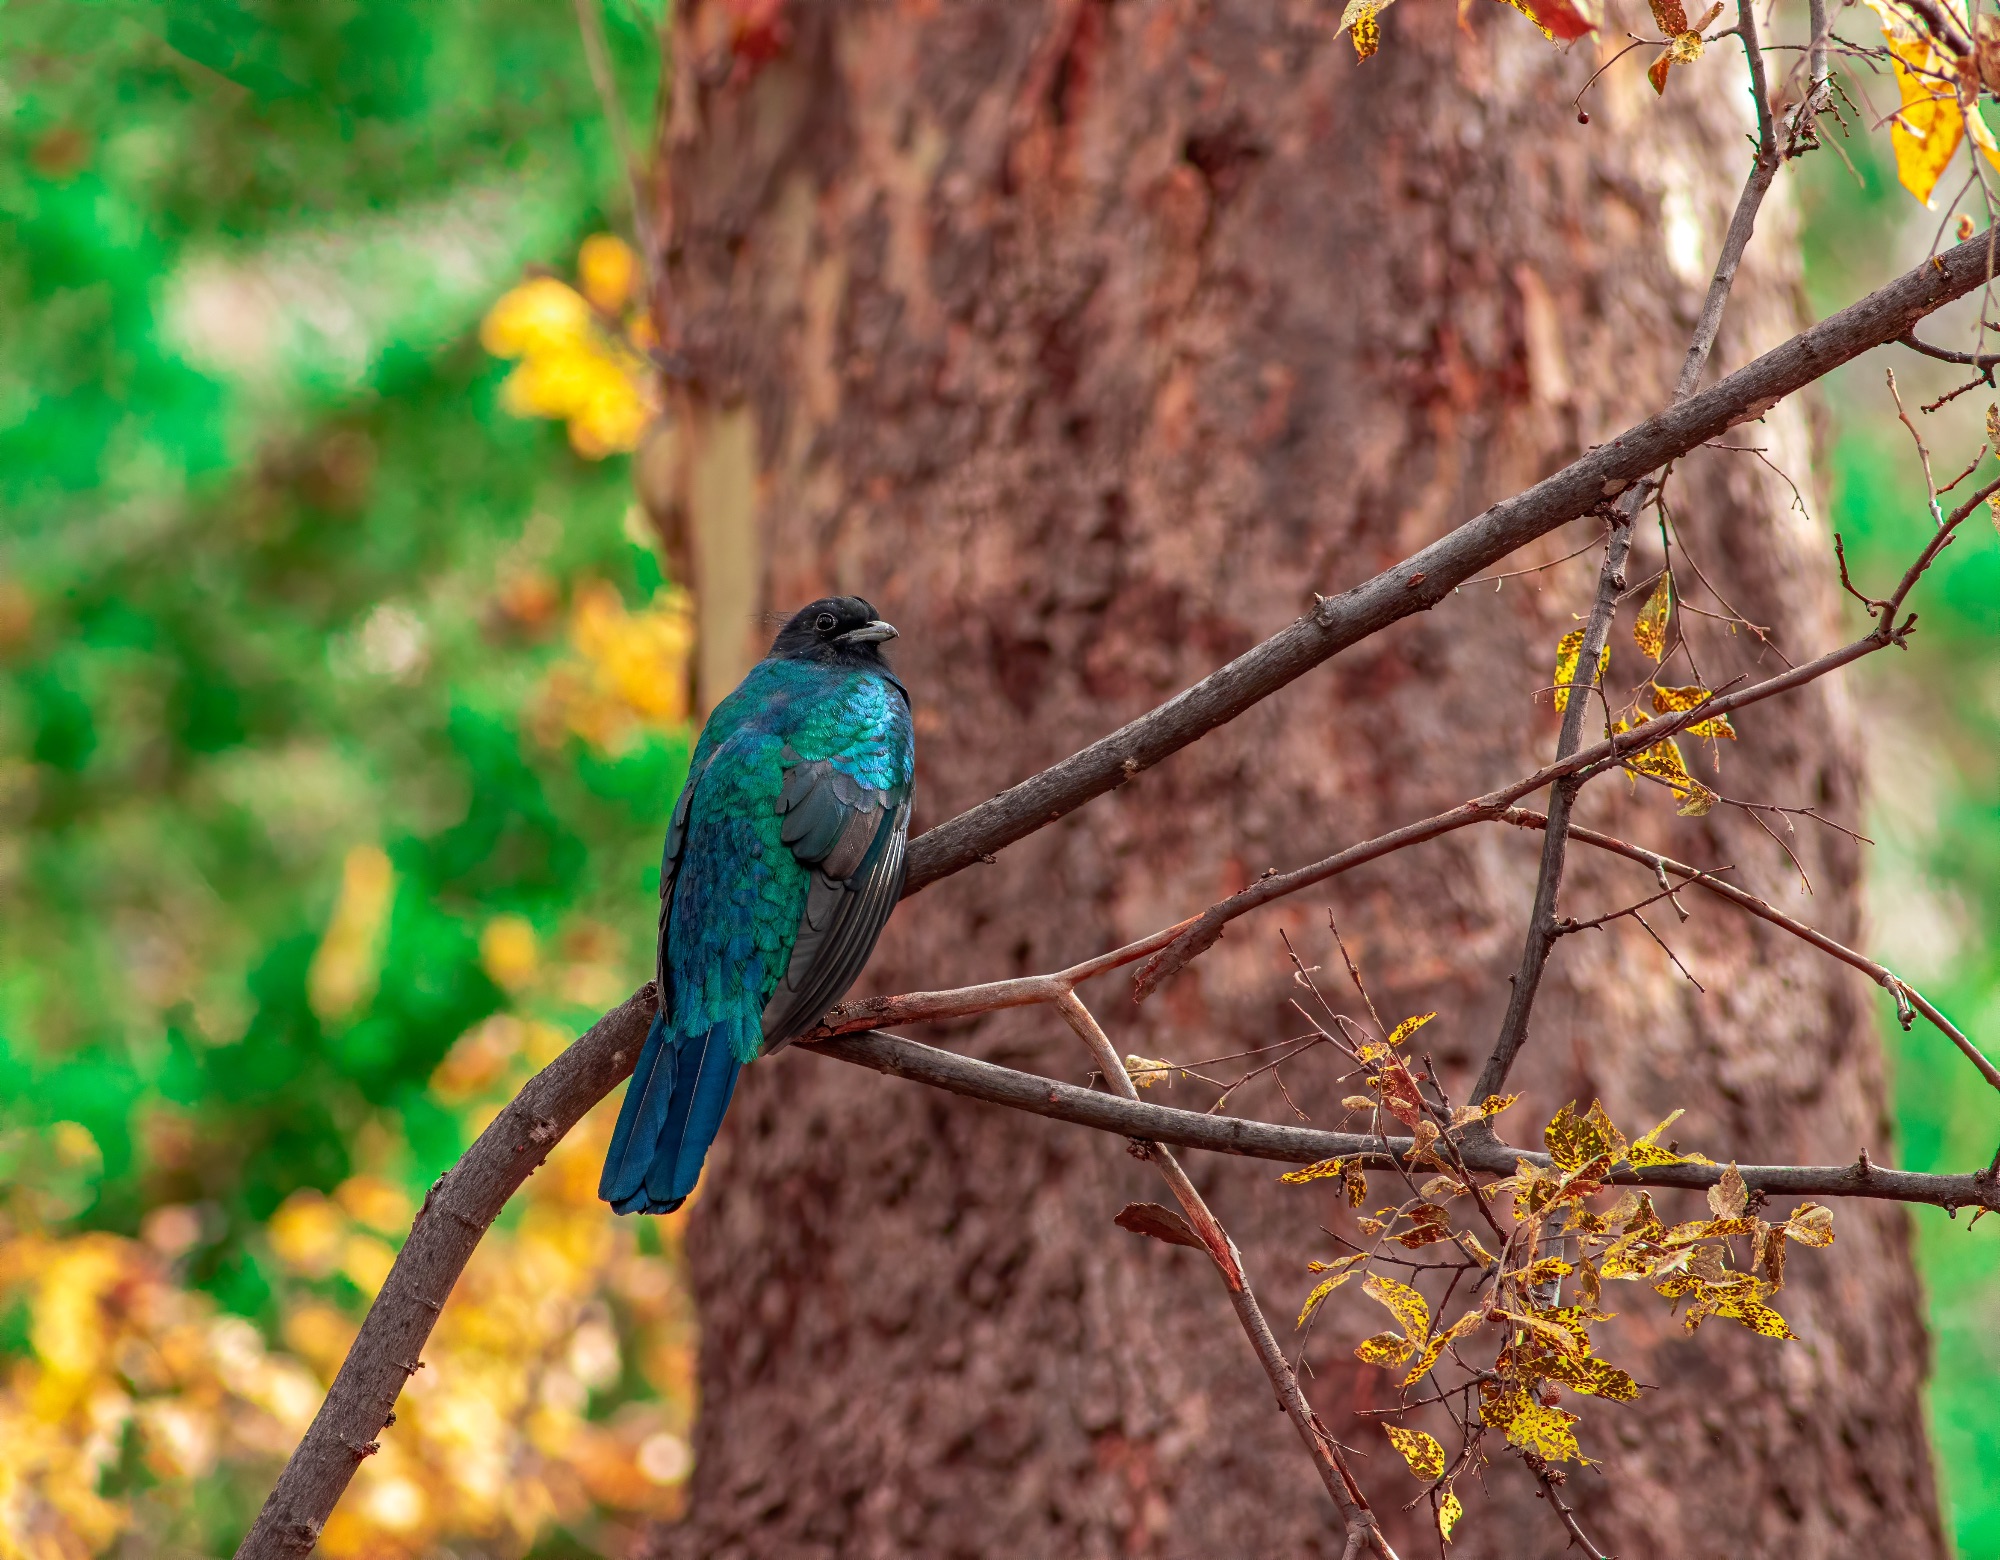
1087	341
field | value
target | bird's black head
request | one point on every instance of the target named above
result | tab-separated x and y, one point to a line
843	630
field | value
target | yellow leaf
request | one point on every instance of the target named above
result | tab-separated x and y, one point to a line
1759	1318
1357	1102
1384	1349
1324	1169
1575	1142
1450	1509
1337	1273
1728	1197
1931	121
1810	1225
1549	1332
1595	1377
1568	649
1650	631
1546	1429
1357	1185
1420	1451
1408	1027
1430	1353
1404	1303
1469	1242
1671	701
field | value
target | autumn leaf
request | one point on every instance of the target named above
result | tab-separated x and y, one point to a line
1561	21
1323	1170
1663	761
1671	701
1321	1290
1408	1027
1593	1377
1404	1303
1399	1093
1576	1141
1545	1429
1649	633
1647	1150
1450	1509
1729	1197
1360	19
1384	1349
1429	1225
1485	1110
1810	1225
1933	118
1568	649
1430	1353
1420	1451
1357	1184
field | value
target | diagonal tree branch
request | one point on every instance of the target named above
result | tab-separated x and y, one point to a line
1425	578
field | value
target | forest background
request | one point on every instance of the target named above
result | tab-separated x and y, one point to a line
339	718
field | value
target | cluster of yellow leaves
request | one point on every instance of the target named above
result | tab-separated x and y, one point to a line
1940	93
581	359
119	1358
1660	760
1546	1346
495	1439
627	673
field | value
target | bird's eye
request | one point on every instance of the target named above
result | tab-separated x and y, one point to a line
825	622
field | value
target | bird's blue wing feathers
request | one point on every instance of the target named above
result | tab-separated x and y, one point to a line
853	839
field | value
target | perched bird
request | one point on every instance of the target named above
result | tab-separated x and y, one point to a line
784	857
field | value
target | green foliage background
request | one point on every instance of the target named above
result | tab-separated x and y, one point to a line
242	411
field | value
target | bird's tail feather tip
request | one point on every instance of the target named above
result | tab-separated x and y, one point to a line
672	1111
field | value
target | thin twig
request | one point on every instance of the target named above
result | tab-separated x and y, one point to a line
1333	1470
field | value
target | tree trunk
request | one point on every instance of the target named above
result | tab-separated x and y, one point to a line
1088	340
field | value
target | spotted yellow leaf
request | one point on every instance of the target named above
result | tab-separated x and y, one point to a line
1428	1355
1759	1318
1408	1027
1545	1429
1568	649
1384	1349
1404	1303
1420	1451
1145	1071
1576	1141
1650	631
1450	1509
1359	20
1672	701
1337	1273
1322	1170
1810	1225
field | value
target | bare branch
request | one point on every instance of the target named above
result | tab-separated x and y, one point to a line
964	1075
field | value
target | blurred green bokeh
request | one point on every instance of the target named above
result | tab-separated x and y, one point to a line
1933	722
258	498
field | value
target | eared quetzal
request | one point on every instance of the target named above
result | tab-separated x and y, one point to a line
784	858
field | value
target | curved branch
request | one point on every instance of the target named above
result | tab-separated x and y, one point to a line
460	1205
1427	577
1985	362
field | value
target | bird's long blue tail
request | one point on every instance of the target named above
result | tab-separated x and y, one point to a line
673	1109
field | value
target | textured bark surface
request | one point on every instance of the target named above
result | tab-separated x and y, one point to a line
1088	340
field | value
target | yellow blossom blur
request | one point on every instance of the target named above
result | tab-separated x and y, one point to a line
577	363
629	670
507	952
349	961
